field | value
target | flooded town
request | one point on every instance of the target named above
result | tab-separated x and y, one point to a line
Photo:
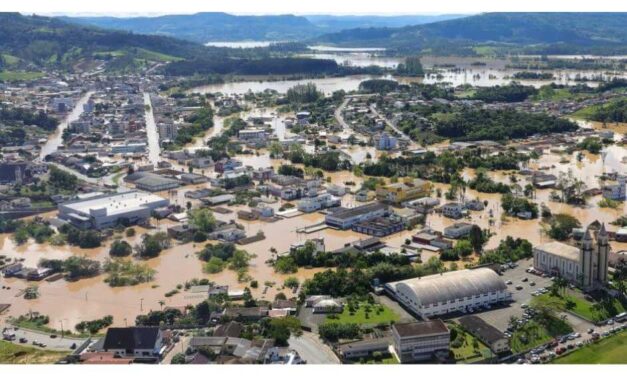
474	205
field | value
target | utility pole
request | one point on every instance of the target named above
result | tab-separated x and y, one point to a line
141	304
62	332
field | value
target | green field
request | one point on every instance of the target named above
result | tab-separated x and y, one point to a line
532	334
471	350
141	54
612	350
379	314
586	309
19	76
11	353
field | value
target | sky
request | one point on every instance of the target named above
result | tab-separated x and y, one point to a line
340	7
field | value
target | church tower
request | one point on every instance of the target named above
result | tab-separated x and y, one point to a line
603	250
586	262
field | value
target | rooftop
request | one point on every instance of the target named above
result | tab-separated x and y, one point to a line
423	328
114	203
561	250
344	213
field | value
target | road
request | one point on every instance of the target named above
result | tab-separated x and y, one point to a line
179	347
312	350
391	124
339	117
154	149
55	344
108	179
56	139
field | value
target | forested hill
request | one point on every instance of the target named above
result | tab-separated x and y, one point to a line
50	41
551	32
214	26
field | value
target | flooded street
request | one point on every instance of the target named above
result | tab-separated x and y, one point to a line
154	148
67	303
56	139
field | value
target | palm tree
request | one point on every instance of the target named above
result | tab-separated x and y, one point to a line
161	303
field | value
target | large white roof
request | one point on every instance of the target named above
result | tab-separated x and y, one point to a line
115	203
450	286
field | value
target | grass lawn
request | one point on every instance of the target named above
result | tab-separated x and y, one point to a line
389	360
583	307
379	314
469	351
19	76
612	350
533	334
11	353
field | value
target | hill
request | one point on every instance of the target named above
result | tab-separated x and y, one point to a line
46	41
523	32
222	27
214	26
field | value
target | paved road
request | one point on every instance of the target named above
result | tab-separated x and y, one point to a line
179	347
56	344
108	179
312	350
339	117
391	124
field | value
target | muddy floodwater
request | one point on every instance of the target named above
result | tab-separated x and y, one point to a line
68	303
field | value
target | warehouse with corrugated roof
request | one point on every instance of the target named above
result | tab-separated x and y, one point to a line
457	291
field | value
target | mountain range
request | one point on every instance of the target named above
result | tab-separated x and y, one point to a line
222	27
560	31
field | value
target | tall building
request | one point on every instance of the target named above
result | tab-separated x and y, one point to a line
585	266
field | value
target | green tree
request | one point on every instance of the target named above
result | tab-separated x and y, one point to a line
120	248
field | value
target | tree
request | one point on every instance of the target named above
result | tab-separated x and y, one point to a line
178	358
120	248
562	225
203	219
476	238
463	247
240	259
280	329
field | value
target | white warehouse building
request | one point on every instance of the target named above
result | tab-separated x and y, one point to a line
460	290
108	210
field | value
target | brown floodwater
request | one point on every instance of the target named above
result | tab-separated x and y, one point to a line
88	299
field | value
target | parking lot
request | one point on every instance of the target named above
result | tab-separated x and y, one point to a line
499	318
56	344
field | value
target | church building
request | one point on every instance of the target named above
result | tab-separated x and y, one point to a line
585	266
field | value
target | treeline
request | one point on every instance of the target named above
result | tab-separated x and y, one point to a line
411	67
305	93
533	75
614	111
381	86
501	124
513	92
17	116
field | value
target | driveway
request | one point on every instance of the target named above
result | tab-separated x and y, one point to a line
312	350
